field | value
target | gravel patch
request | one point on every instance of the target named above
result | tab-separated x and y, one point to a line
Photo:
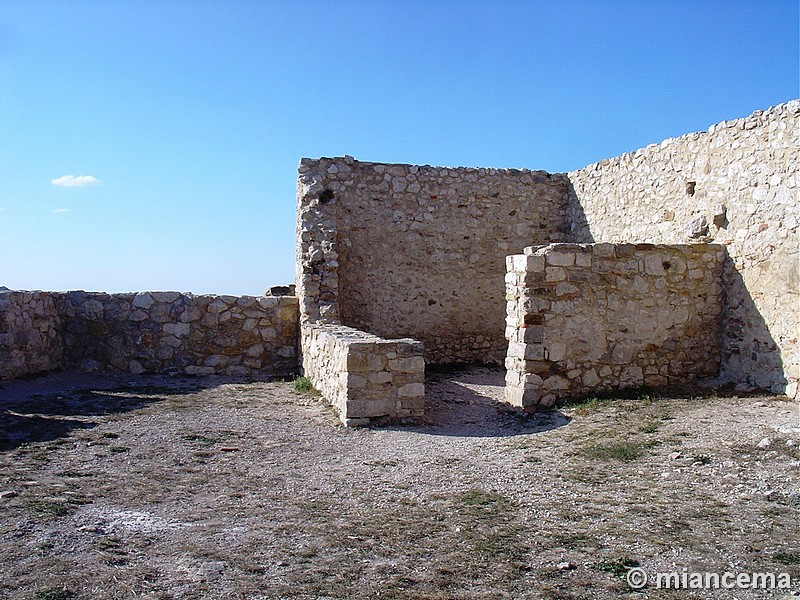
177	487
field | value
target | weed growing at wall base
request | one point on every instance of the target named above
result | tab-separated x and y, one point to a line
303	385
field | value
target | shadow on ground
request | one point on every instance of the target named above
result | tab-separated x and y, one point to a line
466	401
51	406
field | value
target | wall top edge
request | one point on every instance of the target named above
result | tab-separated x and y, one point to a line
155	294
791	107
310	163
643	246
355	336
757	117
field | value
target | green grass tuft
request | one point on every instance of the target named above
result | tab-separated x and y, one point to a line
55	594
788	558
619	567
303	385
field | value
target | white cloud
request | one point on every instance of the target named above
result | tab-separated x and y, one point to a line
60	210
73	181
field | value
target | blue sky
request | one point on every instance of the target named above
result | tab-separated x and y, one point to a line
192	116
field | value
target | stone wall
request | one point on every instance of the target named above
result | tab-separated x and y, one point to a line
419	251
363	376
173	331
584	318
157	332
735	184
30	336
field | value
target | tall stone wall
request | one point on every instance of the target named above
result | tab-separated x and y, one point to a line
735	184
155	332
419	251
30	333
596	317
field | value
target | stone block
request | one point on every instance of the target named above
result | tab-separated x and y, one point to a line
413	364
411	389
654	264
176	329
143	300
560	259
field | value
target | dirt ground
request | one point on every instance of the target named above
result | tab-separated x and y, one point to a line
160	487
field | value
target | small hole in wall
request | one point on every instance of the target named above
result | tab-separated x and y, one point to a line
666	265
431	302
690	188
326	196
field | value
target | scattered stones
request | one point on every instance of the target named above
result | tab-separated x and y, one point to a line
280	290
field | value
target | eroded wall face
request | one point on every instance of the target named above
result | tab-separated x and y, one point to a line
597	317
736	184
30	333
179	332
154	332
420	251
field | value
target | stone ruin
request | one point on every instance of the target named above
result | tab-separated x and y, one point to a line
671	265
675	264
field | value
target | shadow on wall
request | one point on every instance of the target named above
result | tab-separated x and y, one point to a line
579	230
751	358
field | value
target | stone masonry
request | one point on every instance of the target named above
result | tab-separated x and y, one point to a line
419	251
588	318
398	253
415	251
30	336
402	264
736	184
363	376
158	332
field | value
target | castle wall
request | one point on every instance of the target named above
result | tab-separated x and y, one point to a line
419	251
735	184
30	333
155	332
595	317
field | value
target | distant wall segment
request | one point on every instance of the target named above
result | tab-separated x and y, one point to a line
30	333
157	332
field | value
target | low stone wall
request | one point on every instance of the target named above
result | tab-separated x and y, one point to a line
363	376
584	318
155	332
172	331
30	337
